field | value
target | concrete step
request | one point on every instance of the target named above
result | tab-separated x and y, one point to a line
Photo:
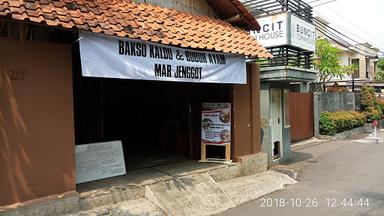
118	189
247	188
190	195
110	196
286	170
128	208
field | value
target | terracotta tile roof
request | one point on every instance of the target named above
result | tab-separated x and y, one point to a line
141	21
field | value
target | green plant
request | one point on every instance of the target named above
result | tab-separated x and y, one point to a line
380	72
372	114
327	63
326	125
380	102
331	123
379	76
380	64
371	106
349	69
368	98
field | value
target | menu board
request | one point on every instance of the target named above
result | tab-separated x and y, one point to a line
99	160
216	123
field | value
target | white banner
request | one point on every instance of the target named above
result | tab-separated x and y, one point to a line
114	57
216	123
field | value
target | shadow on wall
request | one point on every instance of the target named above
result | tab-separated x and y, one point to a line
36	157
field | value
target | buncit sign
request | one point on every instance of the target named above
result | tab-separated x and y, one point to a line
286	29
273	30
375	123
303	34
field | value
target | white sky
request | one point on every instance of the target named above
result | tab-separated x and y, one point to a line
363	20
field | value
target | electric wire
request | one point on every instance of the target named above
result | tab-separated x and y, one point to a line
319	22
356	26
323	3
369	35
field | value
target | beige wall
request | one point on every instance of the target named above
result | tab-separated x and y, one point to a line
362	67
36	121
372	68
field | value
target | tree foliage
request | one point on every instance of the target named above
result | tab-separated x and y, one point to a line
380	64
380	73
328	64
370	105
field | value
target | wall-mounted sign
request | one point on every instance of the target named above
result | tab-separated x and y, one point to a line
99	160
303	34
286	29
114	57
216	123
273	30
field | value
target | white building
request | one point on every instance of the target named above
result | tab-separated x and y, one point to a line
364	55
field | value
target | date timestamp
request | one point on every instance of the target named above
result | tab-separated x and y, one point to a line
293	202
313	202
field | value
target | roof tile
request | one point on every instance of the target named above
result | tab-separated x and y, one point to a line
141	21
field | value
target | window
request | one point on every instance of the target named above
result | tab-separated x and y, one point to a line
356	73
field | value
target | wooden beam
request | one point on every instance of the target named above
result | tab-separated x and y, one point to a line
234	19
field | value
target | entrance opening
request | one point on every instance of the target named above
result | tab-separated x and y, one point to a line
276	150
157	122
276	124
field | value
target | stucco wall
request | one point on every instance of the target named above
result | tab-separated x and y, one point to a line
331	102
36	121
265	116
265	113
362	67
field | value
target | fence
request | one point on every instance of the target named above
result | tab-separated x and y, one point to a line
332	102
301	115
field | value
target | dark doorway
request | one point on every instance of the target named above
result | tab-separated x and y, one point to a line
158	122
276	150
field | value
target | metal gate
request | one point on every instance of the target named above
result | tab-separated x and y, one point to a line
301	115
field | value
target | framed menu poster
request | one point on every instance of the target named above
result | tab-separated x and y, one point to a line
216	127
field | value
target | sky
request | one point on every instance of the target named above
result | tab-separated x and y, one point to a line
363	20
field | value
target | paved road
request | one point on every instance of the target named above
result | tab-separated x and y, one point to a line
336	178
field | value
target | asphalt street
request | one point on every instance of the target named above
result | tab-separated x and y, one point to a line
335	178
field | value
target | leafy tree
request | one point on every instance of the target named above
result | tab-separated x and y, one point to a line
370	105
349	69
380	64
328	64
380	74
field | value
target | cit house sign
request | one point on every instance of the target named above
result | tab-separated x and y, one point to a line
286	29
